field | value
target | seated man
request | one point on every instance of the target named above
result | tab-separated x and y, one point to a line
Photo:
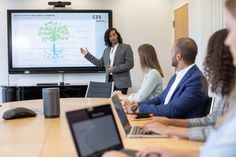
184	96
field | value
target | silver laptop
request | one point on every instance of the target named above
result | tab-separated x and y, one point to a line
131	131
94	131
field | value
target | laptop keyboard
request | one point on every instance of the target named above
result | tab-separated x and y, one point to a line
136	130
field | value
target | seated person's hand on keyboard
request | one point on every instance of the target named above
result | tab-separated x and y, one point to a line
155	127
147	132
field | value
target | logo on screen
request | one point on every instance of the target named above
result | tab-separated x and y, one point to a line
97	17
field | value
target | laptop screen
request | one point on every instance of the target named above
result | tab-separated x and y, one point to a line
94	131
121	113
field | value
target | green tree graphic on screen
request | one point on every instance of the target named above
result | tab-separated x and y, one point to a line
52	32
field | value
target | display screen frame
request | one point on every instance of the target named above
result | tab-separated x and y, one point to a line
58	69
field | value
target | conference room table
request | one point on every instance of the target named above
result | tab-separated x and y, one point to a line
50	137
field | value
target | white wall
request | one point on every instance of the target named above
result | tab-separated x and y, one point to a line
139	21
218	13
200	26
179	3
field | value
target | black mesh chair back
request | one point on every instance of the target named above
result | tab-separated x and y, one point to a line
209	106
99	89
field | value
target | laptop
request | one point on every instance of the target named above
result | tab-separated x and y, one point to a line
94	131
131	131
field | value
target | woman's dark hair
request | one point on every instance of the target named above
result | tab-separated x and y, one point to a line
106	37
218	64
148	58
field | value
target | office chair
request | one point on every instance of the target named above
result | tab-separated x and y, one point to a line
99	89
209	106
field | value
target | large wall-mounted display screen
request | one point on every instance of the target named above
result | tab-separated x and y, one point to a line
45	41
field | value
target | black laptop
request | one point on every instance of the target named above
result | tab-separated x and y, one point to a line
94	131
131	131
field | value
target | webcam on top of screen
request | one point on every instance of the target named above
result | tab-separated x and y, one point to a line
59	4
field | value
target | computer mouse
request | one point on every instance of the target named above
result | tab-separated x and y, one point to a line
19	112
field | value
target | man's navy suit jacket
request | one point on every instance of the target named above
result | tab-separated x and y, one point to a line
188	100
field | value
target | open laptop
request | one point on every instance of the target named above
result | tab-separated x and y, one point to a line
131	131
94	131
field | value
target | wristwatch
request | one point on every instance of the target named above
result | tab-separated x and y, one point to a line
134	108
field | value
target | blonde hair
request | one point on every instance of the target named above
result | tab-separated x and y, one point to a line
148	58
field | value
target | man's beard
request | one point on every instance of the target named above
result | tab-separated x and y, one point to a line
174	63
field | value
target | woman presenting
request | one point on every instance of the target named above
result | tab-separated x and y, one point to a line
117	59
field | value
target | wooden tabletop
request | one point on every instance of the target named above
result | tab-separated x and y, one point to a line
43	137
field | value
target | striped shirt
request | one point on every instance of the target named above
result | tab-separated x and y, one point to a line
200	128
